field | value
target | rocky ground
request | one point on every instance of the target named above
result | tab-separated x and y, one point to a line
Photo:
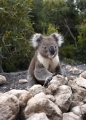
12	79
63	99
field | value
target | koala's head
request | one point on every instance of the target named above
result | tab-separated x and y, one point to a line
47	46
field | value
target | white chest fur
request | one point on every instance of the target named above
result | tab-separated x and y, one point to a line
49	64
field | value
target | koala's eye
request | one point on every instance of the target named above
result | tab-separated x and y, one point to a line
55	46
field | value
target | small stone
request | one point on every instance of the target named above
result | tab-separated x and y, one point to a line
10	88
23	81
76	71
68	67
2	79
84	101
76	110
35	89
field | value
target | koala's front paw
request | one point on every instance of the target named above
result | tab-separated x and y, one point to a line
59	73
47	81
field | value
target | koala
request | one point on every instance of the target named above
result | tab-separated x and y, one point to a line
45	63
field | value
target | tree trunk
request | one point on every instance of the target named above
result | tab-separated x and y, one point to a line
70	33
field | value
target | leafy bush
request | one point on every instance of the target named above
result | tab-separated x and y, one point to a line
51	29
82	35
82	42
15	31
68	51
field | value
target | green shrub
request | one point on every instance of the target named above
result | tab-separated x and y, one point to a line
68	51
82	42
15	31
51	29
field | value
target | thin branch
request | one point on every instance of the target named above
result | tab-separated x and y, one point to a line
70	32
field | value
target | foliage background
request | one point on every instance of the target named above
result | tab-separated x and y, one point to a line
19	19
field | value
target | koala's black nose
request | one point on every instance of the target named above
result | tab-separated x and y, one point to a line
52	50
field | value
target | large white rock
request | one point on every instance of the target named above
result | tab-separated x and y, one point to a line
64	97
83	74
77	110
81	82
40	103
22	95
35	89
83	109
71	116
9	107
51	97
56	82
78	95
38	116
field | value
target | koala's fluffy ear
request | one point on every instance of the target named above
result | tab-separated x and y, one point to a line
36	39
58	38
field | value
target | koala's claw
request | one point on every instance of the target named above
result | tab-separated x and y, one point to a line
47	81
59	73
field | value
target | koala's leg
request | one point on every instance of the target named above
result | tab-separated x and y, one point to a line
31	80
42	75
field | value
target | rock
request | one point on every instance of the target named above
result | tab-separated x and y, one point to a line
15	92
81	82
53	86
22	95
64	97
71	78
76	71
40	103
71	116
38	116
35	89
83	74
1	93
77	110
56	82
24	98
84	101
51	97
83	109
73	70
9	107
23	81
68	67
2	79
78	95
